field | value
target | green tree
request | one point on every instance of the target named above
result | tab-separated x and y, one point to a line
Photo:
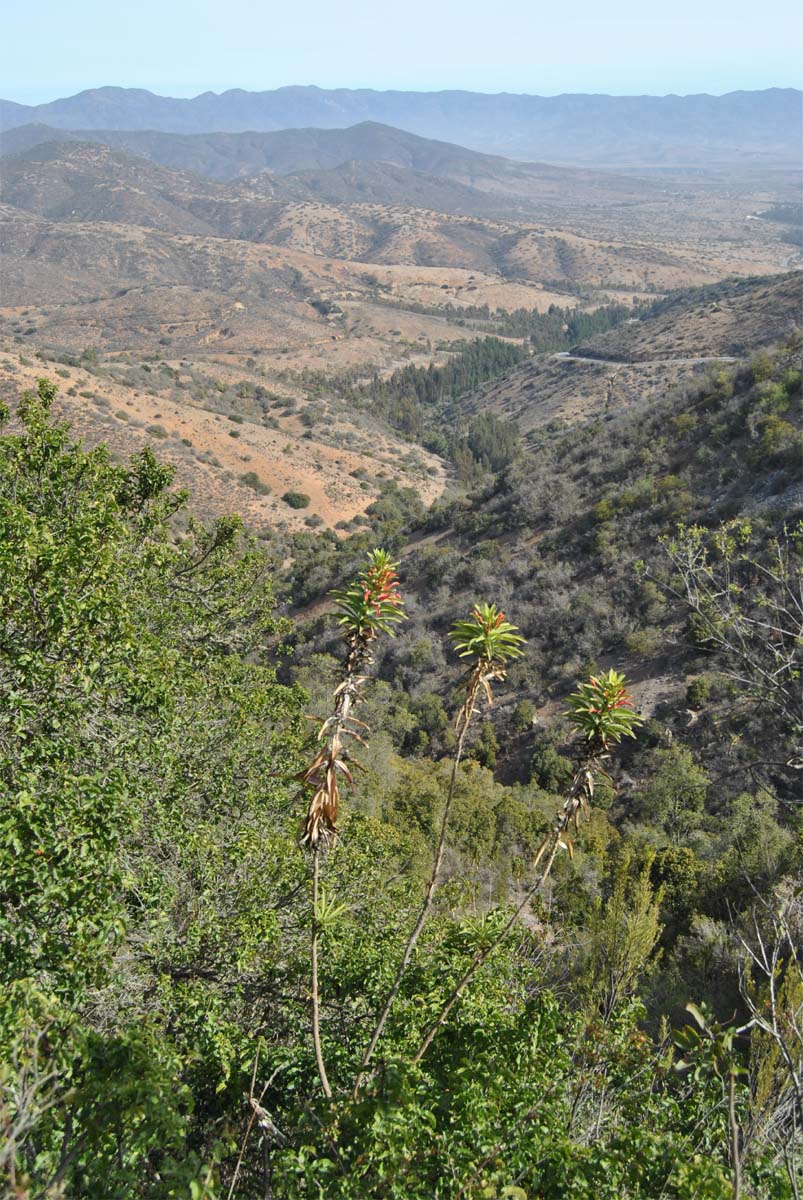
131	700
675	795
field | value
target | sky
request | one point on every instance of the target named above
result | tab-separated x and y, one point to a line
180	48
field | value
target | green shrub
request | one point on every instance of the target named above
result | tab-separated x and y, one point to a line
252	480
550	770
523	716
296	499
698	692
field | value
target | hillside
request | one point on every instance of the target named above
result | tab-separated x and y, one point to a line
161	913
363	150
668	348
121	178
301	285
233	155
759	128
87	182
236	446
554	531
299	152
589	235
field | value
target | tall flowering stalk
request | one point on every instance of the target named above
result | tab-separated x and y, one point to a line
489	639
602	713
369	606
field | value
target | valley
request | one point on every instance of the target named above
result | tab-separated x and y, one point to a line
181	265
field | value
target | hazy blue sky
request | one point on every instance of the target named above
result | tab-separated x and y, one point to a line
53	48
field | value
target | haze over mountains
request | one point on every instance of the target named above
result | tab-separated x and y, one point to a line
235	155
362	154
751	128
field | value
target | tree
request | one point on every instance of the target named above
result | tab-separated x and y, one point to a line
128	710
675	794
744	596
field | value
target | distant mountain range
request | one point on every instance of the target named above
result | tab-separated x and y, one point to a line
741	128
367	162
82	174
229	156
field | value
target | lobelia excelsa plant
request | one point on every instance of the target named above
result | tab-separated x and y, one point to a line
369	606
489	639
602	713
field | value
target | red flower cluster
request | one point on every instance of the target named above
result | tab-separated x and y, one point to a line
621	698
381	586
487	622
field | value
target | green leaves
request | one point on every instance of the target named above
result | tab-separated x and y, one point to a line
487	635
710	1048
602	710
328	913
140	735
372	603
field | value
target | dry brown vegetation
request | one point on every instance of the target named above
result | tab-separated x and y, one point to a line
263	281
211	462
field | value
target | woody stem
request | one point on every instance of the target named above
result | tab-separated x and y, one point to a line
464	720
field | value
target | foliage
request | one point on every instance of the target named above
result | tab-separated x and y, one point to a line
126	721
413	400
602	710
155	907
296	499
372	604
486	635
757	635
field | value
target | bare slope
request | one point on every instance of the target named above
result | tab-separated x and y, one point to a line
240	460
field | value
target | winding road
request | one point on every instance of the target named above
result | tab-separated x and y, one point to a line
567	356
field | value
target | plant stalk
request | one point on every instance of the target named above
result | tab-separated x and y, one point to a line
548	852
734	1132
316	1011
464	720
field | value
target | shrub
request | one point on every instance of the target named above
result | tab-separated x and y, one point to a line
550	770
296	499
698	692
523	716
252	480
644	642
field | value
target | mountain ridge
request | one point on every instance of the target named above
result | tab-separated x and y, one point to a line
743	126
231	156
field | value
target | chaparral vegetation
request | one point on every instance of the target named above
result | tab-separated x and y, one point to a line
408	899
